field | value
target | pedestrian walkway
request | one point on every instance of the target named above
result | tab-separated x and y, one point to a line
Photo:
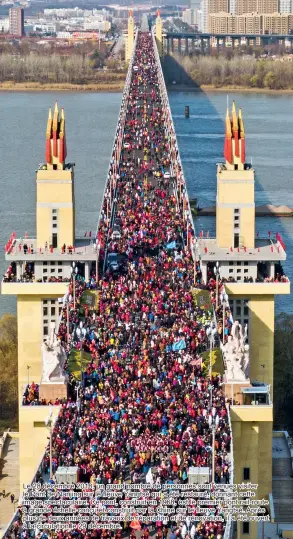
9	480
282	480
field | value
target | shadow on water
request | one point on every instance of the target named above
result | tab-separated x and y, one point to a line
268	143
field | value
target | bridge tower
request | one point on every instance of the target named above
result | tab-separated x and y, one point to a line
159	33
235	189
55	188
42	270
250	267
130	37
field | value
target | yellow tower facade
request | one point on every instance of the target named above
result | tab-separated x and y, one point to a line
130	36
159	33
55	188
251	269
39	272
235	222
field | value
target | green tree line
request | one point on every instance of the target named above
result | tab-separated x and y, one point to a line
237	71
8	372
54	68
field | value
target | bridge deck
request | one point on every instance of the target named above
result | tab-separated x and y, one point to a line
145	400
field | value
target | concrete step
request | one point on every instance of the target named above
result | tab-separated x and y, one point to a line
282	467
283	488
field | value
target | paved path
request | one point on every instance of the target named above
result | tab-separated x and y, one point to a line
9	481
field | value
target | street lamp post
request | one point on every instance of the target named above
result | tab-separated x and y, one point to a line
49	423
74	272
97	260
81	333
224	300
28	374
217	273
194	267
211	332
213	423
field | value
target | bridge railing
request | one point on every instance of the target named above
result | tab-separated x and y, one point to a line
176	164
113	170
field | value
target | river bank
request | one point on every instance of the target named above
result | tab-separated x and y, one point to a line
118	86
225	89
11	86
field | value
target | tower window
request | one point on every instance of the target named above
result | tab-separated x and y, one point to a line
246	474
245	527
236	240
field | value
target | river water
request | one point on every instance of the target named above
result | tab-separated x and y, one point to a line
90	125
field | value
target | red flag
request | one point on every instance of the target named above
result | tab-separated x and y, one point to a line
85	234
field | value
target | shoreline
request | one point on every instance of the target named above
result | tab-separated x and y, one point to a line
9	86
38	87
241	89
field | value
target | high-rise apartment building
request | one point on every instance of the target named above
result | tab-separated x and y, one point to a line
249	24
277	23
256	6
222	23
255	23
232	7
285	6
16	21
204	16
218	6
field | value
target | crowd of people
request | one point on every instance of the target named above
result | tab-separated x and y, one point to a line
145	404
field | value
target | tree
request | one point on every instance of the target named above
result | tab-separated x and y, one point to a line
270	80
283	373
9	367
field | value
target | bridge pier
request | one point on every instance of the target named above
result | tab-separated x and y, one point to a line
172	44
179	46
186	45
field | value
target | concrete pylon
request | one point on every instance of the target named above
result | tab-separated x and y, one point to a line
159	33
130	37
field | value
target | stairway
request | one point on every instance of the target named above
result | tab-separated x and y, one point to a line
9	480
282	482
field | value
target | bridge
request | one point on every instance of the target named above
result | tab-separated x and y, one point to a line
188	42
146	377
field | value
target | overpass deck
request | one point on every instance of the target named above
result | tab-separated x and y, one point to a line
145	403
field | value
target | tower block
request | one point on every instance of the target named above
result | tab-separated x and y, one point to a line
55	188
159	33
130	37
235	189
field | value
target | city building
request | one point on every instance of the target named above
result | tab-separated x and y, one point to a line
42	267
249	24
204	26
222	23
285	6
218	6
4	25
255	23
16	21
232	7
276	23
188	16
256	6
